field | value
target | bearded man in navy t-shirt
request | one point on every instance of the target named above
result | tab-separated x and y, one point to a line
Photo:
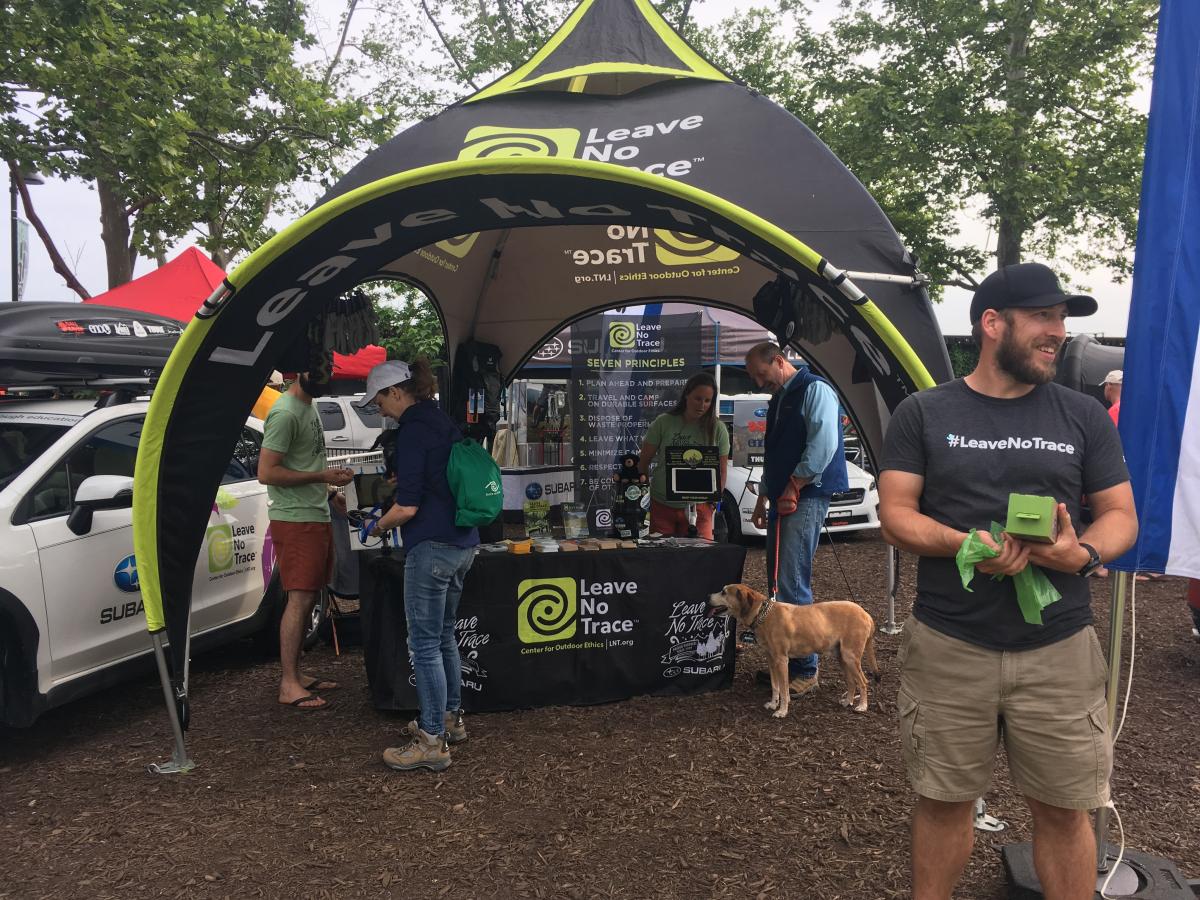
973	670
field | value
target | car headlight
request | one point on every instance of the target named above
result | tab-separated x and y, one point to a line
752	487
871	486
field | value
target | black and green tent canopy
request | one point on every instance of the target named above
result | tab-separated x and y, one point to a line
616	167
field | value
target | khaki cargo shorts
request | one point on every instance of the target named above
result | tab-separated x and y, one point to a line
957	701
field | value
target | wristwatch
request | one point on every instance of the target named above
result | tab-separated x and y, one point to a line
1093	562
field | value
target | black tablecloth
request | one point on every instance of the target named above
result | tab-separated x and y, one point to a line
564	628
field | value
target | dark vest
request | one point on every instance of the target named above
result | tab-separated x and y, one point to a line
787	436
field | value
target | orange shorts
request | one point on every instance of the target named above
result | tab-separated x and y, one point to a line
304	553
673	522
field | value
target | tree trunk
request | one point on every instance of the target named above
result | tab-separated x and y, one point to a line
56	258
114	231
1012	215
1008	243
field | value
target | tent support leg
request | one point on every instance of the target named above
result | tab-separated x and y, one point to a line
893	583
1116	629
180	763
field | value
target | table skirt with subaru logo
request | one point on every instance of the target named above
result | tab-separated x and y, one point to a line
548	629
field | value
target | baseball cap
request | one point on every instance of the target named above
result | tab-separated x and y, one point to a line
1113	377
1026	286
382	376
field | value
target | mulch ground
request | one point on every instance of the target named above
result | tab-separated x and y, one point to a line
704	796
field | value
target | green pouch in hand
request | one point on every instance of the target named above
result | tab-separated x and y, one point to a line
1034	590
1034	593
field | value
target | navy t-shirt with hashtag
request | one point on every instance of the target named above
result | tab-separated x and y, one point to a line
973	451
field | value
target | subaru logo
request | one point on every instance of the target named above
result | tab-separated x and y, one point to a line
760	413
550	350
125	575
533	491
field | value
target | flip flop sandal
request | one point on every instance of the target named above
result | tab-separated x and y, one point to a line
319	683
299	702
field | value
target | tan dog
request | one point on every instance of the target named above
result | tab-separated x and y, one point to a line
788	631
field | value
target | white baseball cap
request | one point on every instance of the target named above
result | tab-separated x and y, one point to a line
382	376
1113	377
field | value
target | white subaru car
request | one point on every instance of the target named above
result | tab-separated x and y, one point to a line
855	509
71	617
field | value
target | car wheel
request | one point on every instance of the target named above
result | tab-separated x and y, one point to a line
16	706
733	518
3	696
266	641
320	612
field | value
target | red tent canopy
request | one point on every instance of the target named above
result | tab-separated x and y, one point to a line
357	365
177	289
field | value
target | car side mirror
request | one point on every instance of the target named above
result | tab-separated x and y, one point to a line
99	492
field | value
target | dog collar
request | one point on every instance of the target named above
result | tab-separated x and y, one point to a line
762	612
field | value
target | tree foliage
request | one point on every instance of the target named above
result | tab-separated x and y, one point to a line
1016	110
182	115
408	324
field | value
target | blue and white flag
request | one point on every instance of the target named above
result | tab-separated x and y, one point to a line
1160	402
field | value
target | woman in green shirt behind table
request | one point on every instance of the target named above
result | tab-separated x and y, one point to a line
692	423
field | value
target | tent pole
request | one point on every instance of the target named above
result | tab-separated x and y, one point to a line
717	361
918	280
1115	632
179	764
893	584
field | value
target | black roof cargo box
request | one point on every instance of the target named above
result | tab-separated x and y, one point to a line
81	343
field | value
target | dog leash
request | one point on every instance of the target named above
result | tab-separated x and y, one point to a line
748	636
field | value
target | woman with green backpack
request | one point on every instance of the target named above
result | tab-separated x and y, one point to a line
438	554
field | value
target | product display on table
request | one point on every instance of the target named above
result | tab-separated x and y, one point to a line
631	494
693	473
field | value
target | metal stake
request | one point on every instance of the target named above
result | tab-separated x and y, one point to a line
179	764
893	584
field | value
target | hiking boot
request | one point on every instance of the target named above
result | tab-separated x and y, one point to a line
427	751
798	687
455	727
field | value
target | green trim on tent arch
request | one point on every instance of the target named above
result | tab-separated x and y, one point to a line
146	480
146	469
692	64
774	235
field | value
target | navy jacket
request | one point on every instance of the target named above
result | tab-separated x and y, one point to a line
424	437
787	435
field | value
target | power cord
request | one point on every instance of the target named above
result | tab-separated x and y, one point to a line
838	560
1120	854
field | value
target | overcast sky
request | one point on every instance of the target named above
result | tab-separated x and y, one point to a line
71	212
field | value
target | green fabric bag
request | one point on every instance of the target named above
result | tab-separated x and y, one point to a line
475	481
1034	590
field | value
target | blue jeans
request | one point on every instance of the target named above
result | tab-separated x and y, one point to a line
433	583
798	536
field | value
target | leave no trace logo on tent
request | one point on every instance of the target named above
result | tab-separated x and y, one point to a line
674	248
459	246
496	142
547	610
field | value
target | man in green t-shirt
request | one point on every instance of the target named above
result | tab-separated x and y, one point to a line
292	466
692	423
